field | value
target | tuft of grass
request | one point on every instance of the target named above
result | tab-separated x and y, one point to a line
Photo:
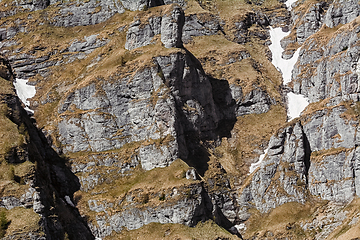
203	230
252	132
284	217
3	223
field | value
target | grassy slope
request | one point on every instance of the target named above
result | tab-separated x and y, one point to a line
236	154
12	176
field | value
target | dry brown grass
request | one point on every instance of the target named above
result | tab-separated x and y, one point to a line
227	9
346	230
22	220
250	132
207	230
248	73
138	183
279	218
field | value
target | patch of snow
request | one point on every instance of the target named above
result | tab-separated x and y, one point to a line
24	91
68	201
254	166
296	104
283	65
289	3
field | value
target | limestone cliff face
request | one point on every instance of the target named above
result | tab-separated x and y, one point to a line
317	153
153	112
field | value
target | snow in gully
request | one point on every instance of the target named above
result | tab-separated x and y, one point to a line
289	3
24	92
296	103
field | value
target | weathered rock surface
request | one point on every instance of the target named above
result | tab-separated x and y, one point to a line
188	210
282	169
305	157
341	12
161	103
139	35
171	28
255	102
241	27
200	25
169	25
329	70
310	22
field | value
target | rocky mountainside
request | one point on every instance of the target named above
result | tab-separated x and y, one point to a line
179	119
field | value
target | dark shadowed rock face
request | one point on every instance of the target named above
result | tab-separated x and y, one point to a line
45	184
166	101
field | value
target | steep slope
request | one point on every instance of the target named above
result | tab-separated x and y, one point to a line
153	112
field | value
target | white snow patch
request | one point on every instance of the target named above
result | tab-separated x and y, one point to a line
68	201
24	91
296	104
289	3
254	166
284	66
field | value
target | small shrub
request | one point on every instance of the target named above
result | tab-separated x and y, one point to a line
300	183
345	48
183	174
162	197
161	74
11	173
4	223
145	198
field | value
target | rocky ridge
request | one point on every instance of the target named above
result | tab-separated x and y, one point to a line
125	97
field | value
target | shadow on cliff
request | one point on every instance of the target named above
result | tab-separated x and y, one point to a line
53	180
307	156
199	145
57	185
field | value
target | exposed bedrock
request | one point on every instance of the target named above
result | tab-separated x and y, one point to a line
48	184
166	102
329	70
305	158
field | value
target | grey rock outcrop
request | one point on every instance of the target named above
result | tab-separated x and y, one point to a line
14	7
161	103
276	181
174	28
91	42
310	22
171	28
139	35
86	13
188	210
304	157
241	27
333	177
200	25
257	101
93	12
330	70
27	65
143	4
342	12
